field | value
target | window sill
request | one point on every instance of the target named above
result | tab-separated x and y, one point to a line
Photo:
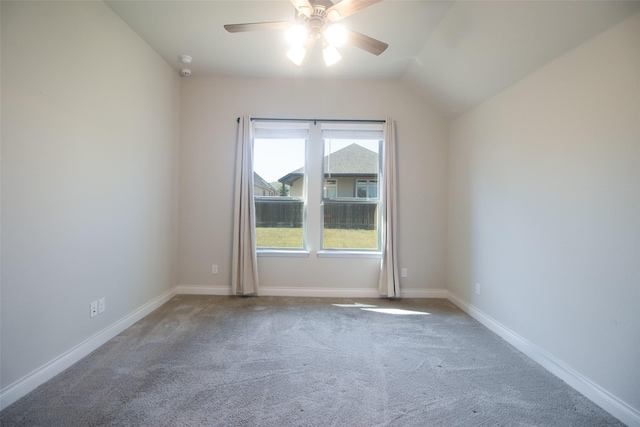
348	254
282	253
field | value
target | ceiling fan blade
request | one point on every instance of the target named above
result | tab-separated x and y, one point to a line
303	6
367	43
257	26
347	7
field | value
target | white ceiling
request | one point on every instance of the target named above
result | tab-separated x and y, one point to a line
457	53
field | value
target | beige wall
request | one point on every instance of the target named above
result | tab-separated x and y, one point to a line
544	210
210	107
262	191
543	183
345	186
89	177
297	189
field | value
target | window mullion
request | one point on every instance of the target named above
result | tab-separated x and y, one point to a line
314	183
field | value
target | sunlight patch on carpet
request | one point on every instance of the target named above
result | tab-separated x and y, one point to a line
355	304
375	308
394	311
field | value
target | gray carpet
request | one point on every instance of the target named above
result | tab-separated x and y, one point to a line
232	361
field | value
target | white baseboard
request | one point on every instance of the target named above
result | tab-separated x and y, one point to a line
424	293
597	394
203	290
281	292
610	403
29	382
319	292
311	292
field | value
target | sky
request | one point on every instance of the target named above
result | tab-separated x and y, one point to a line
274	158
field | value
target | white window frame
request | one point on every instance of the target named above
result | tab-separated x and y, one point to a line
367	186
330	183
353	131
313	188
266	129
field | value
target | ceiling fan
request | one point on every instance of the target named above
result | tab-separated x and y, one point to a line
316	20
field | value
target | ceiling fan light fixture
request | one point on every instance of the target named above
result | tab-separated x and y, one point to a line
331	55
296	54
297	34
335	35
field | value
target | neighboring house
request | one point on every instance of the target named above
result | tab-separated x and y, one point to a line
262	187
349	172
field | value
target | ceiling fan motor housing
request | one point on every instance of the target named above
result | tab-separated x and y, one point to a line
316	26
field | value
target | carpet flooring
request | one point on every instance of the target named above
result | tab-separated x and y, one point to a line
268	361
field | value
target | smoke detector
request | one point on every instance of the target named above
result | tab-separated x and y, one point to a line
185	59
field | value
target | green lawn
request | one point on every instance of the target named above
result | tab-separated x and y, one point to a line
333	238
279	237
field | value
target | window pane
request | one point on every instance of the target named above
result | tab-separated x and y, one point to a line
279	189
351	158
279	222
352	164
349	225
330	192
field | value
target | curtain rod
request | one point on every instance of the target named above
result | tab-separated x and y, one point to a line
315	121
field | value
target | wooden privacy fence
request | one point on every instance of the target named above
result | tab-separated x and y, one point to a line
352	216
277	212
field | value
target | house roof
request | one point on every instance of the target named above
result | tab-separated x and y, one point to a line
352	160
260	182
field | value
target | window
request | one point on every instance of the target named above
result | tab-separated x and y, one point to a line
352	160
280	204
330	188
367	188
328	168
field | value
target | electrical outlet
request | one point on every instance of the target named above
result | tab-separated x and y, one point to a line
404	272
102	305
94	308
214	269
477	288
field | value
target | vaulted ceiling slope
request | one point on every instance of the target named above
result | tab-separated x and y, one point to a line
457	53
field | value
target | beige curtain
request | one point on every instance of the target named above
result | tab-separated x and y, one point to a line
389	284
244	274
